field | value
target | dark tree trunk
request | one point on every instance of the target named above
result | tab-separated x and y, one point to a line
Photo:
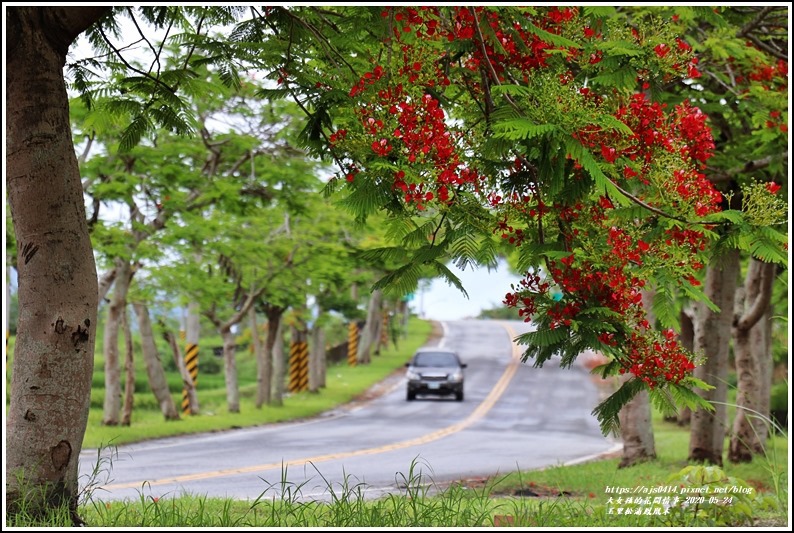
118	303
265	367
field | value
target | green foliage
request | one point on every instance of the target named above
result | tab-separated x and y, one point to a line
522	129
606	412
666	308
779	398
713	497
603	185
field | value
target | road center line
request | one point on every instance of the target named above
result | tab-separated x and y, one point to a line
486	405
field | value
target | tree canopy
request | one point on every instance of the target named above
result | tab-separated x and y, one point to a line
576	138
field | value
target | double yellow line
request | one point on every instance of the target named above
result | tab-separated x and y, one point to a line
481	410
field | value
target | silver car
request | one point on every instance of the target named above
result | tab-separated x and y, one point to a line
434	371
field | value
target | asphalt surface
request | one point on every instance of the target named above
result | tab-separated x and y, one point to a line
513	417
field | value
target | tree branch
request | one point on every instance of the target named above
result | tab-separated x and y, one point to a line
765	47
718	176
143	37
652	209
762	297
750	26
157	81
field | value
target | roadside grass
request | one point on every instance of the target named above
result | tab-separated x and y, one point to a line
576	495
559	496
581	494
344	383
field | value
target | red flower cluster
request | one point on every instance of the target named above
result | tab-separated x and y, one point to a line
421	137
657	362
524	296
775	75
514	236
776	122
583	286
690	123
693	240
696	190
403	123
516	47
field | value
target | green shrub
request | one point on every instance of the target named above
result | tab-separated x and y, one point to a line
779	400
710	497
209	364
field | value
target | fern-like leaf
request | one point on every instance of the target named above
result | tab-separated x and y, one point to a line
767	245
663	401
447	275
665	308
588	162
382	255
400	282
132	135
607	411
427	254
553	38
685	397
601	12
522	129
511	90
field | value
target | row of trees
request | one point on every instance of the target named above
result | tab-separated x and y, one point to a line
617	151
231	224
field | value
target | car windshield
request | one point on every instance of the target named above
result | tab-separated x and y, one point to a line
444	359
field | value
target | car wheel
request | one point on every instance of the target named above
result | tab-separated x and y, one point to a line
410	396
459	396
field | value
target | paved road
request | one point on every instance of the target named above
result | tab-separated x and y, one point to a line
514	417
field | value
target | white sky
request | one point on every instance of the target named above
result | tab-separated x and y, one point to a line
486	290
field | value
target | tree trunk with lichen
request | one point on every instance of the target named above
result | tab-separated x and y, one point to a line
316	358
712	339
753	361
279	367
230	370
111	414
154	364
129	370
369	330
54	350
265	364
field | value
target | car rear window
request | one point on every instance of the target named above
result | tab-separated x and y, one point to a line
435	359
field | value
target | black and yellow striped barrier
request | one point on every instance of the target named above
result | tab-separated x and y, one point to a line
352	344
191	363
298	366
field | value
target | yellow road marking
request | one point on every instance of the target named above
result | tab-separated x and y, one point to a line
481	410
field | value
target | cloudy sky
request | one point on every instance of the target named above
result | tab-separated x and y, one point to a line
445	302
